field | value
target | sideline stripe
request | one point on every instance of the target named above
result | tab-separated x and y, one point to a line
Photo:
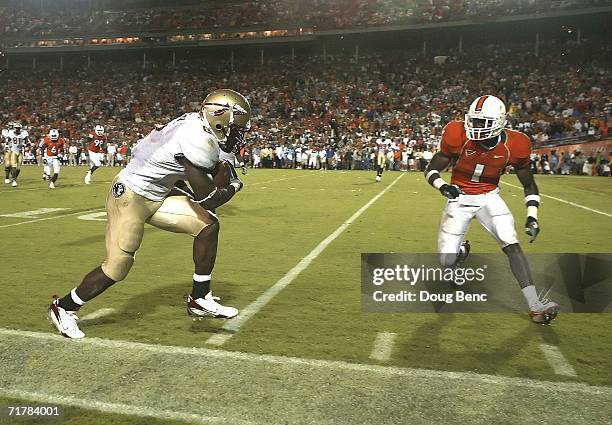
383	346
249	311
119	345
98	313
557	360
51	218
566	202
116	408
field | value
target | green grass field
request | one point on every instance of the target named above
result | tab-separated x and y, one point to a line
303	357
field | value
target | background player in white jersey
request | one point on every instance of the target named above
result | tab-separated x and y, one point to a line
151	189
382	145
18	138
6	151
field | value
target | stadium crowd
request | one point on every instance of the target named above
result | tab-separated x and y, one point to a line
338	111
23	19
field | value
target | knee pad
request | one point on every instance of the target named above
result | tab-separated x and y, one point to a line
118	265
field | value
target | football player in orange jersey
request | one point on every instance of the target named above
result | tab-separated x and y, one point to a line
54	145
96	147
482	147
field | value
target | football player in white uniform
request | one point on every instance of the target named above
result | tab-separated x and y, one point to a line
6	151
382	146
152	189
18	138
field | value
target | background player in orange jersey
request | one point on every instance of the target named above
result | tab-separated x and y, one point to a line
96	148
54	145
482	147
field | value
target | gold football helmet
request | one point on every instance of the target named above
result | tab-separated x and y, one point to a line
229	115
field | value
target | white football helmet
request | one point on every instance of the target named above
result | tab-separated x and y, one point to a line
53	134
99	130
485	119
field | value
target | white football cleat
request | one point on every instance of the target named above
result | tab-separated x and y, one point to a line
51	185
64	321
87	178
543	312
14	184
7	181
208	306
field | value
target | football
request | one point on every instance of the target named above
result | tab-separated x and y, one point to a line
223	175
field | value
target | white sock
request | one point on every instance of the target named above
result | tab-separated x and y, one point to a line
531	295
201	277
76	298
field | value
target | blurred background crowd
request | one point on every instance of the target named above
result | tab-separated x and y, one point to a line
28	17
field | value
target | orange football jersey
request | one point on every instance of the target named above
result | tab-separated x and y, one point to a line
53	147
477	170
96	143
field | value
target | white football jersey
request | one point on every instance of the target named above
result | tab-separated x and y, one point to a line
383	145
154	168
17	141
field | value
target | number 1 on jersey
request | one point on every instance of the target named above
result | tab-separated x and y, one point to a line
477	173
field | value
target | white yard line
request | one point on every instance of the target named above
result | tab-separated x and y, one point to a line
51	218
565	202
22	190
246	184
442	376
116	408
557	360
98	313
34	213
252	309
383	346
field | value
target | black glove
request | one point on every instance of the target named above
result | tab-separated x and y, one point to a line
450	191
532	228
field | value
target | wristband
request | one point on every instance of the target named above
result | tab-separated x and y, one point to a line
533	200
438	183
532	211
